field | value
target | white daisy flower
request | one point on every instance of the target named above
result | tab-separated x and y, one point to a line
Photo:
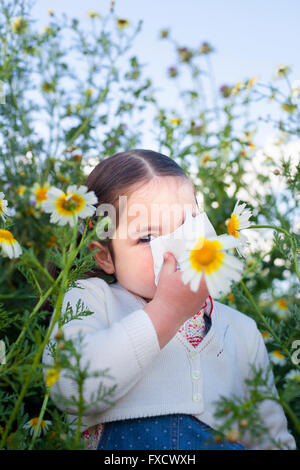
293	374
40	192
239	220
281	309
31	425
3	207
60	204
282	70
206	256
266	337
295	90
9	245
277	358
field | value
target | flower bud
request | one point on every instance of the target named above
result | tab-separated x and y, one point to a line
232	436
59	334
164	33
243	423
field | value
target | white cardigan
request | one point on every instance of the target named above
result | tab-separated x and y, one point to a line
178	378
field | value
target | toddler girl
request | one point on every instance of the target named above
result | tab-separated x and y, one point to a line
171	352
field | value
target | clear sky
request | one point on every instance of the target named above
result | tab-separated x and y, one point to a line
251	37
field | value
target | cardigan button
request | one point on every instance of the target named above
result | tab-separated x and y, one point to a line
193	355
196	374
197	397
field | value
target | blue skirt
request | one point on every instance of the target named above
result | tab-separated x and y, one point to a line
167	432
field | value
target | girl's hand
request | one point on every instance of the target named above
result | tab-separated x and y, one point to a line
173	302
174	296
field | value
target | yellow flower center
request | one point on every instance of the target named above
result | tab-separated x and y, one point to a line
65	204
1	207
278	354
282	304
52	241
7	237
41	194
21	190
33	423
205	255
233	226
52	376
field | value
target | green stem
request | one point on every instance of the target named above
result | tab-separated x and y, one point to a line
42	412
26	128
36	283
262	318
67	266
290	412
87	120
35	310
281	402
13	98
38	355
290	239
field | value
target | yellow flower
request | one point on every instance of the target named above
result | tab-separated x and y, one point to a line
239	220
175	121
231	297
277	358
9	245
266	336
206	157
52	376
289	108
92	14
281	71
21	190
89	92
207	256
32	424
293	374
19	25
61	204
295	91
251	82
282	304
40	192
122	23
237	88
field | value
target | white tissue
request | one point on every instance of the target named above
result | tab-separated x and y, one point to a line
176	242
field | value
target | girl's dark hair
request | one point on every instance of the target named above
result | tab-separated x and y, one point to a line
120	175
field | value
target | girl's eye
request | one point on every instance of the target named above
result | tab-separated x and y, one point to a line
142	240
